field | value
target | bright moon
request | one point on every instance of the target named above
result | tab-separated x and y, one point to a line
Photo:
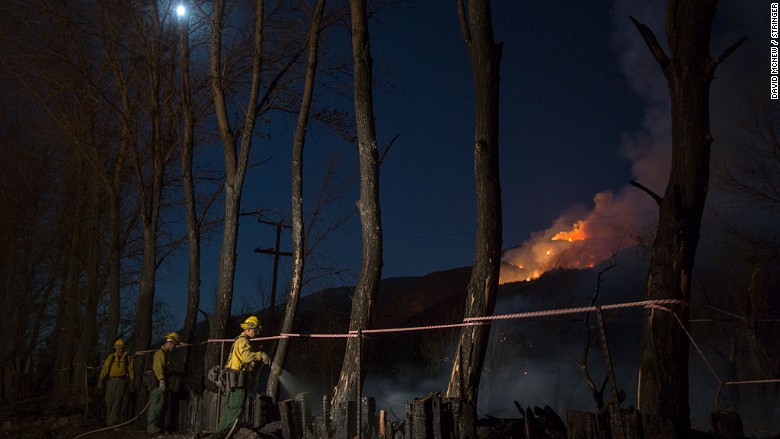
181	10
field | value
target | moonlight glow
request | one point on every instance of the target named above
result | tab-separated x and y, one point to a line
181	10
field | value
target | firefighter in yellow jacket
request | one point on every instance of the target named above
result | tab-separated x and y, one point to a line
118	369
240	365
158	395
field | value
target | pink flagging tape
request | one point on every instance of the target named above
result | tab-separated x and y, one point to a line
417	328
579	310
729	383
476	321
350	335
712	369
693	342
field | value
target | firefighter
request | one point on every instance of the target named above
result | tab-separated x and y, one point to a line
161	371
118	369
239	367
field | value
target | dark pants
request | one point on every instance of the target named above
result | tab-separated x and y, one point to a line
233	407
115	394
158	402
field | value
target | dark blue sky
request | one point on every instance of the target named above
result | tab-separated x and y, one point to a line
567	110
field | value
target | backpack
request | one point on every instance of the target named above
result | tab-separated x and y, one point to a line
127	364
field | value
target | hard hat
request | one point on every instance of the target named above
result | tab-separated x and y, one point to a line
251	322
119	343
174	337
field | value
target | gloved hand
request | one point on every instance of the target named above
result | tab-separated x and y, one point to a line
266	359
162	385
100	384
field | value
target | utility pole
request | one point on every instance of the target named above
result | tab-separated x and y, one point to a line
277	253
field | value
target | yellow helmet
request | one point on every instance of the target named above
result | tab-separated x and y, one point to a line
173	337
119	343
251	322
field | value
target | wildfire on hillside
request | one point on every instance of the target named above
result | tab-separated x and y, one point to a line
566	249
579	240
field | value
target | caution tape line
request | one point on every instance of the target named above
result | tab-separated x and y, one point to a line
578	310
485	320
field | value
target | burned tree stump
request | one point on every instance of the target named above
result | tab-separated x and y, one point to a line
262	411
348	417
656	426
290	412
326	426
409	409
533	428
368	423
583	425
302	399
552	423
422	419
727	424
627	426
435	417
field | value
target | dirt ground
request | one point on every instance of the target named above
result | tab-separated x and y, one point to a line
74	426
77	427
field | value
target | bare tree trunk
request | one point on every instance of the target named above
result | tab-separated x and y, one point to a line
663	381
485	57
67	308
93	288
352	374
114	249
110	46
151	189
188	184
298	234
235	166
27	182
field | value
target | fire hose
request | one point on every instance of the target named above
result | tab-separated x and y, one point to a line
111	427
232	427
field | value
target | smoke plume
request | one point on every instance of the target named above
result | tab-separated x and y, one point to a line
582	238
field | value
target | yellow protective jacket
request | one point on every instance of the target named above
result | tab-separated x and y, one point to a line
161	364
241	354
117	366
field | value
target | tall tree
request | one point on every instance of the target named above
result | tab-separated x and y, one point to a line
236	157
29	243
187	144
689	70
151	149
485	57
64	93
367	288
123	213
749	286
68	80
298	234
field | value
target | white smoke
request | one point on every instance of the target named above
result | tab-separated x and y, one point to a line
618	218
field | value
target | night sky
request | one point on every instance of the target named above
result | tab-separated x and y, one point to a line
583	111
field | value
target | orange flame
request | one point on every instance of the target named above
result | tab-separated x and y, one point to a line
575	234
544	255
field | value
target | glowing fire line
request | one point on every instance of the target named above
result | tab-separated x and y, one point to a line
551	256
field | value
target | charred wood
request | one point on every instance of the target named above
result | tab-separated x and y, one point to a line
422	427
727	424
290	413
263	411
368	420
583	425
302	399
533	428
552	423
